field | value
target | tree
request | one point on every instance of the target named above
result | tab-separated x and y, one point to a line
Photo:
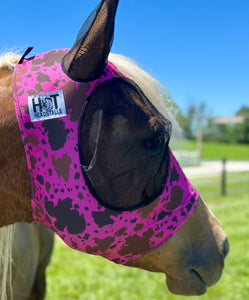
241	131
199	115
185	124
189	122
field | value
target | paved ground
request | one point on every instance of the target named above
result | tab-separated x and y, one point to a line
212	168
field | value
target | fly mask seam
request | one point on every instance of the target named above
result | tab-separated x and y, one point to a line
93	160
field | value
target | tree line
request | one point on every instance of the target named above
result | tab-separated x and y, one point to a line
197	116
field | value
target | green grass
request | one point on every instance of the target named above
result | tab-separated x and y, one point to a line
212	186
74	275
229	151
218	150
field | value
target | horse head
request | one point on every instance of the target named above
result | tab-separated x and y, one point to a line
103	175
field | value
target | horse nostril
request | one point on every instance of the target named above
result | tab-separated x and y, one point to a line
226	247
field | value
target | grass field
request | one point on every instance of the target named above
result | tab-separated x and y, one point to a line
74	275
218	150
211	187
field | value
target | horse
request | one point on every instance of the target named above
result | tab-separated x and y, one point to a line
97	164
30	255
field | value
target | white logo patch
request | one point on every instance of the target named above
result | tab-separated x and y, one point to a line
47	106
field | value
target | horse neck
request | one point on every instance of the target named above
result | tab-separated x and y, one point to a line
14	183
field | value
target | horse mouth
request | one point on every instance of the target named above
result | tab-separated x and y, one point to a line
192	285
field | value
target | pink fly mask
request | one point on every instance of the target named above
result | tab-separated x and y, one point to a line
53	111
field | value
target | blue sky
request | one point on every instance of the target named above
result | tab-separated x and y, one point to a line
199	49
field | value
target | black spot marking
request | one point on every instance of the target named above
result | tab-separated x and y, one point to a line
40	179
189	206
77	176
57	133
66	216
133	220
102	218
162	215
174	176
29	125
174	219
86	236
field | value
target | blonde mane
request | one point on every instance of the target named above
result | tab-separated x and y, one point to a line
8	60
158	95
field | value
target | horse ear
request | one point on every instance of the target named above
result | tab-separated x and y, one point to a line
86	60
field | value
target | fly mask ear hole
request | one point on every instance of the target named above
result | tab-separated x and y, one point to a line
86	60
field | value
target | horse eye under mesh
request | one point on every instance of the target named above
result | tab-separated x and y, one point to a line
100	109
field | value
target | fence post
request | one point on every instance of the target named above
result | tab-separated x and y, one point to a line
223	177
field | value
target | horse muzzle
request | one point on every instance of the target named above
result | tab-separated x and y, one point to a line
193	259
202	274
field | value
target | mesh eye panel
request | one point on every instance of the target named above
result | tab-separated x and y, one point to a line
122	92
